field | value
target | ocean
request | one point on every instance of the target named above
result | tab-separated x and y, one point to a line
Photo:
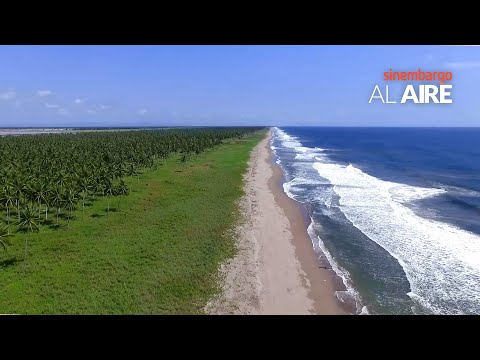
396	211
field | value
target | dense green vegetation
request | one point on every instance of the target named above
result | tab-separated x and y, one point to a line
154	248
39	173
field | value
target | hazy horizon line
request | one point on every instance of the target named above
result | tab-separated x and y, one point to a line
234	125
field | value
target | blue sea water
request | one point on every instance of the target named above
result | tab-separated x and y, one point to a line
395	210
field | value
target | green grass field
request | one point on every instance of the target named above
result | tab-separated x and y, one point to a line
157	253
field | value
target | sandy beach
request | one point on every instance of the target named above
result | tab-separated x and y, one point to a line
276	270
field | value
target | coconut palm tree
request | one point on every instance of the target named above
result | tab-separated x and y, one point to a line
84	187
184	158
8	201
96	186
132	171
46	199
57	199
121	188
28	218
70	200
39	192
4	233
18	188
108	190
62	179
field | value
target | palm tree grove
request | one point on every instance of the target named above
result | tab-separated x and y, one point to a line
45	178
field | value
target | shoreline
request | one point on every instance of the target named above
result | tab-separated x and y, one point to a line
324	281
276	269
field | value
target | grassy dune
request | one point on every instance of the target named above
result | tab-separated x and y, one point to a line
157	253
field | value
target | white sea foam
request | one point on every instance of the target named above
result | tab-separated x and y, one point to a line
292	142
441	262
295	186
299	180
342	273
364	311
287	187
405	194
288	140
303	153
304	149
309	156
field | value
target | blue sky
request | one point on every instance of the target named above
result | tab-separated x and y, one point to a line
227	85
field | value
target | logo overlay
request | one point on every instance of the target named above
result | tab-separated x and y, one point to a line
420	94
